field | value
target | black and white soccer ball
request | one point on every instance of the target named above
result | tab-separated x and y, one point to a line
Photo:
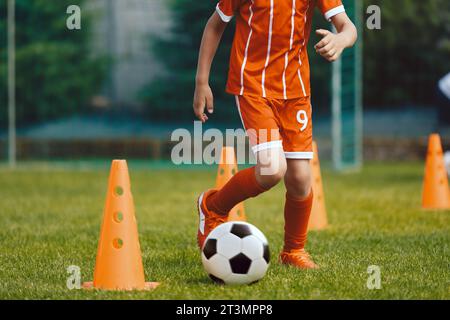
236	253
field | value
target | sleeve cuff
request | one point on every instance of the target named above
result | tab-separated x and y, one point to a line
331	13
222	15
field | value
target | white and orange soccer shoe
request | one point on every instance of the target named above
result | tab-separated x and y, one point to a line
208	220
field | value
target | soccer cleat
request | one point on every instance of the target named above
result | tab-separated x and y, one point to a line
208	220
298	258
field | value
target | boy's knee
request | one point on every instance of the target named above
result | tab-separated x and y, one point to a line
270	180
272	172
298	184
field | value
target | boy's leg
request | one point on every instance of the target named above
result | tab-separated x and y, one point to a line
214	205
249	183
260	122
298	205
262	128
297	210
296	130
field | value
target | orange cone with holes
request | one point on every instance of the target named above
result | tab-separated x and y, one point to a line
119	263
318	219
436	194
227	169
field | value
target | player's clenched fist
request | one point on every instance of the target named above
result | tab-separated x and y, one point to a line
203	98
331	46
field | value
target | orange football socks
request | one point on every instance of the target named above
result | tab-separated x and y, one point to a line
241	186
296	218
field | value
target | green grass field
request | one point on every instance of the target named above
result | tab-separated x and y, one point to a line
50	219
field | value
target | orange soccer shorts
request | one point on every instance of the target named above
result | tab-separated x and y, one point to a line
278	123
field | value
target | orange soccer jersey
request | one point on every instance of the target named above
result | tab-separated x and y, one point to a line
269	57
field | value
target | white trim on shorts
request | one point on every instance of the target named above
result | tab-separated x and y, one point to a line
299	155
268	145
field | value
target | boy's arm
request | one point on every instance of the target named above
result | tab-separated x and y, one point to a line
211	38
332	45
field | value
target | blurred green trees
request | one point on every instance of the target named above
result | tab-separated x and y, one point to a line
170	96
56	73
402	61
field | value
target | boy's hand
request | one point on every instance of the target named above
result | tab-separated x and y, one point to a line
203	97
331	46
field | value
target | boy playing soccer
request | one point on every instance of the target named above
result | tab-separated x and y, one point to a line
269	77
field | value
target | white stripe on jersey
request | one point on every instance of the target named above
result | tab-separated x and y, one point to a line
300	53
286	57
269	44
247	46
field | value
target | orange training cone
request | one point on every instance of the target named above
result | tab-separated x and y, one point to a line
119	264
436	194
227	169
318	220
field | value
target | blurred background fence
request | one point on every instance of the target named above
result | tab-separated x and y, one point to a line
119	86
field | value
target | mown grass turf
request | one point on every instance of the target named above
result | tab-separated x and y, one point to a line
50	219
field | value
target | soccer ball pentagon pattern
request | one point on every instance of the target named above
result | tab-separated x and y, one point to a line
236	253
